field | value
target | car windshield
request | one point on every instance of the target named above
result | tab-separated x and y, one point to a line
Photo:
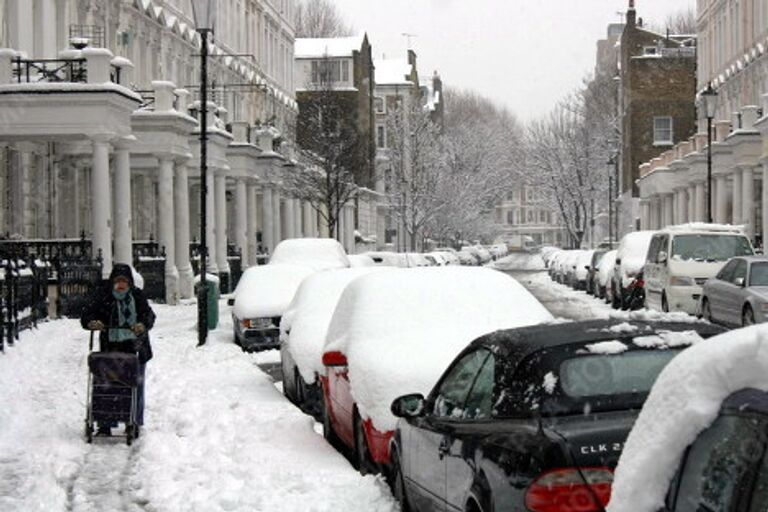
709	247
599	375
758	274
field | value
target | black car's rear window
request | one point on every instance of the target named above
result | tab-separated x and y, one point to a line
619	374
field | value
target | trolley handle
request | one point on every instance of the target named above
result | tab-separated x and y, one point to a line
90	344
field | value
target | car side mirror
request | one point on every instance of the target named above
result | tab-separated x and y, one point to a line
739	281
662	257
409	406
230	302
586	267
618	261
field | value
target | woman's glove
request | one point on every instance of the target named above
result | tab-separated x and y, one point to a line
139	329
96	325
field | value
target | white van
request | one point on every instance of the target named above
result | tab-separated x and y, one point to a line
681	258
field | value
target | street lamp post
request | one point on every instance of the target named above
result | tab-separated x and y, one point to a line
204	13
709	97
611	162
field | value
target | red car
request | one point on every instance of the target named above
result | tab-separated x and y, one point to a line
397	330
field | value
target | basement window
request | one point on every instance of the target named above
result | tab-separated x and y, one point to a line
662	131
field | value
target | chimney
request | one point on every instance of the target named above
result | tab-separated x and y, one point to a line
631	14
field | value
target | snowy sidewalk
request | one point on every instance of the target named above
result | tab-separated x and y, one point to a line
219	435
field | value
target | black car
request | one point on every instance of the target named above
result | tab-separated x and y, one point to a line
726	468
530	419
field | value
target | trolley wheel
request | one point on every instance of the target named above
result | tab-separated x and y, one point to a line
88	432
129	435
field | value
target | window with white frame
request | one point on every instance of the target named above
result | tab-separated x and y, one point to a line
379	105
330	71
511	217
662	131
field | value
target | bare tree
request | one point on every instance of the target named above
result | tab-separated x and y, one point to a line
329	142
320	18
680	22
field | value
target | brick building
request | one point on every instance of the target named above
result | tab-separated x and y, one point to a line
352	74
656	103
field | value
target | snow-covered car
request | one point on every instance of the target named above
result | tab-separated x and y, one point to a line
592	273
396	331
532	418
681	258
630	259
448	258
438	258
416	259
698	443
547	253
468	258
480	253
303	329
738	294
388	259
569	267
604	275
360	260
552	263
581	272
315	253
261	297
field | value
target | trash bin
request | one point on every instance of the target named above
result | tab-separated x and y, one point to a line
213	301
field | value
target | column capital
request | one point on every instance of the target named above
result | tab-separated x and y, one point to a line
126	142
102	138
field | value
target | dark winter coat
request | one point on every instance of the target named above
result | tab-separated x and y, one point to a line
101	306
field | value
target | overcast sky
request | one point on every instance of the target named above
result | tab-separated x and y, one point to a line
525	54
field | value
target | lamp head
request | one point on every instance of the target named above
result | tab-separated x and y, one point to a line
204	13
709	97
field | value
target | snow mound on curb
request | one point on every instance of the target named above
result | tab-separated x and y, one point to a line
267	290
400	329
315	253
685	400
305	324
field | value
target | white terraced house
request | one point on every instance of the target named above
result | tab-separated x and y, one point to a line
733	58
99	129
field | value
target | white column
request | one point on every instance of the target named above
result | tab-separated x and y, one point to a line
645	214
692	203
241	218
309	228
123	211
737	190
210	226
721	199
765	204
45	26
276	218
181	205
20	25
166	227
653	212
221	223
101	210
268	229
668	209
701	202
252	224
350	231
290	220
748	200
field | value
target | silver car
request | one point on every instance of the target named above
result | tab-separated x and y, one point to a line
738	294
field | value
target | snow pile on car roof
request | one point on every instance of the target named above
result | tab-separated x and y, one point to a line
267	290
306	321
633	250
316	253
400	329
685	400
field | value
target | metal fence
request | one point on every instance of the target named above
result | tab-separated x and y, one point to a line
23	296
149	261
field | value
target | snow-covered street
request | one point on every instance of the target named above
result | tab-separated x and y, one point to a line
219	435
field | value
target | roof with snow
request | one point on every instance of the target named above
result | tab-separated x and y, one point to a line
327	47
393	71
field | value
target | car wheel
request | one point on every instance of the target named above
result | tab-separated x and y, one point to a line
615	298
298	389
362	453
398	484
664	303
706	310
748	316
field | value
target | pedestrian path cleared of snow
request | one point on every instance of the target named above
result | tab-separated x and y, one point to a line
219	436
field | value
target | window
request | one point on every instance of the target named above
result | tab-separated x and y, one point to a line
662	131
330	71
531	216
511	217
542	217
727	273
758	274
740	272
455	387
379	105
480	401
381	137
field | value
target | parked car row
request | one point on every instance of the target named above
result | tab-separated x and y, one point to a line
699	269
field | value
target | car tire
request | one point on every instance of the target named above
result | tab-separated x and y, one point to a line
615	298
398	484
706	310
747	316
363	460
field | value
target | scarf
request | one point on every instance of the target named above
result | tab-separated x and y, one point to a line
126	317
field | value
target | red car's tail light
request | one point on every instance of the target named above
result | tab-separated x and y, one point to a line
565	490
334	359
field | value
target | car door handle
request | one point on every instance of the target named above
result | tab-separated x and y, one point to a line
444	448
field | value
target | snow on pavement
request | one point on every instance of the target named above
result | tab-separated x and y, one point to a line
218	437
